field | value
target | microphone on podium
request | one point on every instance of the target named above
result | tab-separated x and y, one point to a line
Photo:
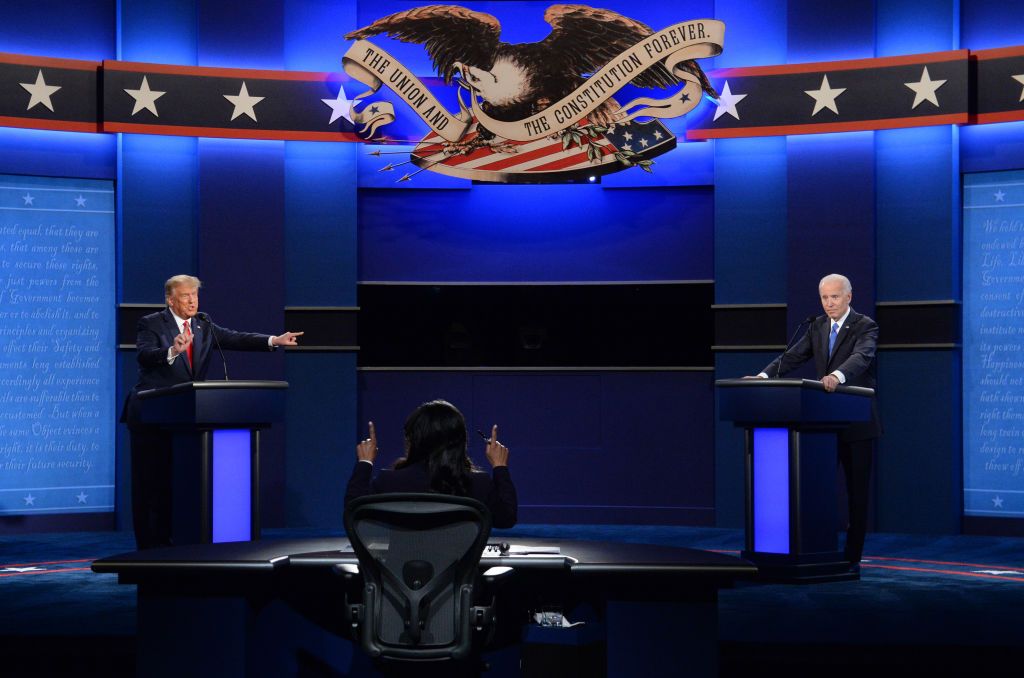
206	318
792	341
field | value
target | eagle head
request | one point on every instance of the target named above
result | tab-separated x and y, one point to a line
507	87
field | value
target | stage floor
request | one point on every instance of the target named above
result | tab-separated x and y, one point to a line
941	605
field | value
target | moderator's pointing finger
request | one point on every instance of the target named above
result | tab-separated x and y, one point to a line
373	432
494	433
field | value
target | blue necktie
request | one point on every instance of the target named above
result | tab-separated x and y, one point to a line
832	337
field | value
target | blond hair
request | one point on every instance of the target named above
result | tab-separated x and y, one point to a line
176	281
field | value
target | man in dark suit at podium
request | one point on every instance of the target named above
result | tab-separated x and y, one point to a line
842	343
174	347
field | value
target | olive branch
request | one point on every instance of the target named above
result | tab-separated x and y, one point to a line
587	136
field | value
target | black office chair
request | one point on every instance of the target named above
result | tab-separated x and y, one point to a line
419	556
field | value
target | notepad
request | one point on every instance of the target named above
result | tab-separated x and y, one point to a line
533	549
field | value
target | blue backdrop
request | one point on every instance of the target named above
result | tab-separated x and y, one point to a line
994	344
56	345
270	225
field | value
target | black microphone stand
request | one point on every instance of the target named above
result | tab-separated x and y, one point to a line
792	340
223	360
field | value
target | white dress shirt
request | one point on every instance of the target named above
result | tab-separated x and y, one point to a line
836	373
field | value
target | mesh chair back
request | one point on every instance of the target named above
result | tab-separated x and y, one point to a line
419	556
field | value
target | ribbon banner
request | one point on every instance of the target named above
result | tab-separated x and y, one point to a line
370	65
680	42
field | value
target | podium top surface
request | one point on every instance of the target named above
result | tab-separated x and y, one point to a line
809	384
792	403
215	403
213	386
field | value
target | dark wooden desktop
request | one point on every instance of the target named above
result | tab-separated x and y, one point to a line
251	608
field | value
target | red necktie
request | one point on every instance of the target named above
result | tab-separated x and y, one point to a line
188	334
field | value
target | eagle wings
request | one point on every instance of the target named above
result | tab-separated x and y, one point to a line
518	80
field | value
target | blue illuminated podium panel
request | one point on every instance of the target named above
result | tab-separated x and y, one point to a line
216	428
791	439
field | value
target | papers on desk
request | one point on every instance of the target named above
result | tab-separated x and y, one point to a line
528	550
548	618
490	551
371	547
499	550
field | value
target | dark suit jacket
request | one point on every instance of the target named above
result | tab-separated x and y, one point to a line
155	334
853	355
497	494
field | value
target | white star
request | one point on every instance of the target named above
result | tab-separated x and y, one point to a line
243	103
341	107
925	88
23	569
658	135
1020	79
81	497
644	142
997	502
627	147
80	201
727	103
824	97
29	500
40	92
627	136
145	98
999	195
28	199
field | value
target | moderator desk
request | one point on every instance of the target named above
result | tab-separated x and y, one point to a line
275	607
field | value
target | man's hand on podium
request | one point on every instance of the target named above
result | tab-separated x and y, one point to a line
830	381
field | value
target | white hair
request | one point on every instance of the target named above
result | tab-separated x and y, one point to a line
835	277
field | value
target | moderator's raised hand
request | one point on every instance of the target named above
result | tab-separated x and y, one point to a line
497	454
367	449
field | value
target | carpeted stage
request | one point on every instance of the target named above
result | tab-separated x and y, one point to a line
924	606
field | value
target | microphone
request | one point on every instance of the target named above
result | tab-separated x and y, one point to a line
206	318
792	340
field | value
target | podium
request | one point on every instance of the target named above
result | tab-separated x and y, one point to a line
216	430
792	428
